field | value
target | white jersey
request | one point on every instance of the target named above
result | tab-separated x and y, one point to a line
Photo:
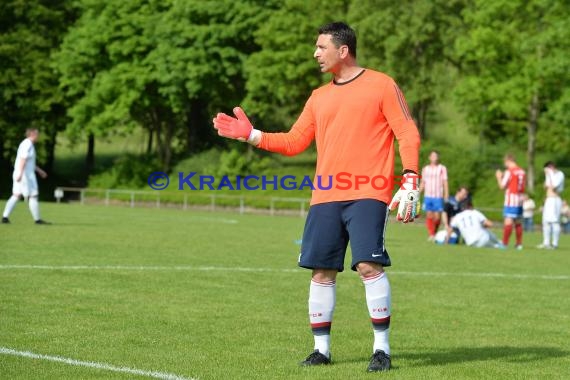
27	184
433	177
26	151
470	224
554	179
528	208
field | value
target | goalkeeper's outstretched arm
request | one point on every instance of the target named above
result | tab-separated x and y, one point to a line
239	127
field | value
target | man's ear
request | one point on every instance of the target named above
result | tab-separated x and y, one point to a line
343	51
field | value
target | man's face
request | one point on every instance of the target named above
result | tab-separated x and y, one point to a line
327	54
433	158
34	135
509	163
461	195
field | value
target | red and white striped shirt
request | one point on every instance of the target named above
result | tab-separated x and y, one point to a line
513	182
433	177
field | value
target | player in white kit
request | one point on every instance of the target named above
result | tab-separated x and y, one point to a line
24	178
473	227
554	184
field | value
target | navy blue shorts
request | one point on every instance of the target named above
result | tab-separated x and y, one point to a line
330	226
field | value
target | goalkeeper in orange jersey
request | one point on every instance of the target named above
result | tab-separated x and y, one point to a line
355	120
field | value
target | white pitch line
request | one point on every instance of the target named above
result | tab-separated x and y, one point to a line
485	274
277	270
103	366
150	268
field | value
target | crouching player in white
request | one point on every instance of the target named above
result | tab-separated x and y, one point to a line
24	177
473	227
554	184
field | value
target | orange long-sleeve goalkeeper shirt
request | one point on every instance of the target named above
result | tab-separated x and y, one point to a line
355	125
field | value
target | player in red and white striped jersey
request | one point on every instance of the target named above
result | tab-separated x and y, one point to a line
513	182
436	191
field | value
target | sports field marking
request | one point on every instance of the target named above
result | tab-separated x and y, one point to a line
214	219
103	366
279	270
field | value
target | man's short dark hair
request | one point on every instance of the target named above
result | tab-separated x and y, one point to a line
549	164
342	34
463	187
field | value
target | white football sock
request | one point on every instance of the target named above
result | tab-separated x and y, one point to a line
322	299
555	234
378	300
34	208
545	233
10	206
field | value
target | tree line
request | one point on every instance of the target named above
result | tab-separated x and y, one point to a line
92	69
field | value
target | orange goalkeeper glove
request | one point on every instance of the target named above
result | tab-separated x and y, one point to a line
237	128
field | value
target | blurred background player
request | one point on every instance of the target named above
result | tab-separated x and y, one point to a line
453	206
24	178
554	184
434	186
349	136
473	226
528	213
513	182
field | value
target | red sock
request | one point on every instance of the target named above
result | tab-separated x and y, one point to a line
519	233
507	230
430	226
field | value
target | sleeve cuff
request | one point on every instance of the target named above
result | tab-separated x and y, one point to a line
254	137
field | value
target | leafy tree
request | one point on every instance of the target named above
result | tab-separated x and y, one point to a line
162	65
411	41
198	62
514	81
29	97
281	76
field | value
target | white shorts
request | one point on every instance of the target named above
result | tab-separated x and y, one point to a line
487	239
551	210
28	186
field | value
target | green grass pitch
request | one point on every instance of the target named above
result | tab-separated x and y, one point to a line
219	296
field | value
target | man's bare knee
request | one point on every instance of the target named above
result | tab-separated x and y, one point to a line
324	275
367	269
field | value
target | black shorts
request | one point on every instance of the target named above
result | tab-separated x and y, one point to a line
330	226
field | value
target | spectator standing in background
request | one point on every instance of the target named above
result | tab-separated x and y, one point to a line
528	213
